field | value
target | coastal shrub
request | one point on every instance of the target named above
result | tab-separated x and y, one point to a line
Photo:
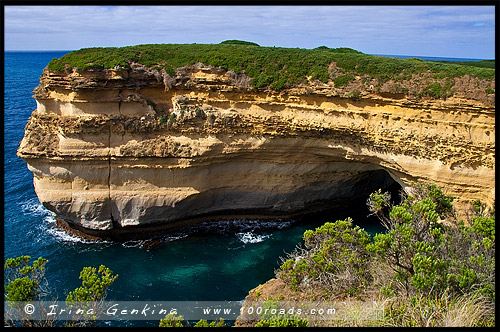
427	261
95	283
172	320
277	317
480	64
93	292
163	119
215	323
171	120
201	323
27	282
343	80
430	256
436	90
239	42
333	260
282	322
268	67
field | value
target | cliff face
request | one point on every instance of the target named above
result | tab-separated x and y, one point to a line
113	149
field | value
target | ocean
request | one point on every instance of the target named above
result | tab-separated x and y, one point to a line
429	58
211	262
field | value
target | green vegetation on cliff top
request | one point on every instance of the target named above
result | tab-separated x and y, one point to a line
274	67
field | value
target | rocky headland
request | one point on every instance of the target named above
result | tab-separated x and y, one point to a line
119	150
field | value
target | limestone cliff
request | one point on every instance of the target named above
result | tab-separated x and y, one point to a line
115	149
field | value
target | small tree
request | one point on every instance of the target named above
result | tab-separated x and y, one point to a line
93	291
334	260
428	255
25	283
436	260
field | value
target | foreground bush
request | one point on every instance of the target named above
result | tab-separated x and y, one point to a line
25	282
433	267
173	320
334	260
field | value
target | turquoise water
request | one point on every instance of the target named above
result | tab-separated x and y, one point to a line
211	262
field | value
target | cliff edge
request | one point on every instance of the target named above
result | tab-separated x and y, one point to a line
140	145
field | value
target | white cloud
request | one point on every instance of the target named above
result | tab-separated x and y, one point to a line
371	29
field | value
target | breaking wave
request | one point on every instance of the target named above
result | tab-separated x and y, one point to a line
35	208
48	225
243	229
250	237
241	226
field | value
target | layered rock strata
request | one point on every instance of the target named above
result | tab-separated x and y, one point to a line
121	149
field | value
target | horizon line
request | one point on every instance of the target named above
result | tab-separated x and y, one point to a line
385	55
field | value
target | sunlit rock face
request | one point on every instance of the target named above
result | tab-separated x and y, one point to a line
122	149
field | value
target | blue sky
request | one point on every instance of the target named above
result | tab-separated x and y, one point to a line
441	31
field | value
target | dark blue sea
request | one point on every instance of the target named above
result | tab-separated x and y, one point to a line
213	262
429	58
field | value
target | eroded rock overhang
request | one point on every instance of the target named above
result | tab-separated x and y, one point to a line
117	149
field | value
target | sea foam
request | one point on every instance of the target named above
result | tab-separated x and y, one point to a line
250	237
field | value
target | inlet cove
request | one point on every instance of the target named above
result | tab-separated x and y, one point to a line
238	172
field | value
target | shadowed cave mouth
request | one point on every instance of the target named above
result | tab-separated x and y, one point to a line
248	225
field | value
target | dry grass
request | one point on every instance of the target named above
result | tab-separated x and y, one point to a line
469	310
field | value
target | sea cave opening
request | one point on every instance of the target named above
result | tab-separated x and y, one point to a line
354	203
